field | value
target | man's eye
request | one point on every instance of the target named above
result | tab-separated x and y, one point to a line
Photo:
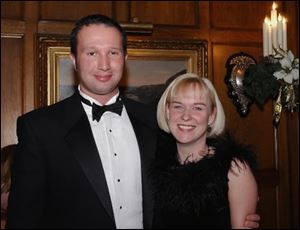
91	53
114	52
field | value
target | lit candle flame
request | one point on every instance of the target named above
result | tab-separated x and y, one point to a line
284	20
267	20
274	6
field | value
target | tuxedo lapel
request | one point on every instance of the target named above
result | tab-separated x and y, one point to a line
146	138
81	142
147	145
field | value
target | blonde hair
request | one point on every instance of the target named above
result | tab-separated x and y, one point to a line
180	84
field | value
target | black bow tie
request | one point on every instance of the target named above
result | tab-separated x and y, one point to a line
98	110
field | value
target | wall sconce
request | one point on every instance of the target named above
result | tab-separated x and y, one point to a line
135	27
236	65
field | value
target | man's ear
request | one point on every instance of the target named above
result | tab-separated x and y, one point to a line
73	58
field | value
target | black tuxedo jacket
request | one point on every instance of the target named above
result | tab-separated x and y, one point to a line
58	180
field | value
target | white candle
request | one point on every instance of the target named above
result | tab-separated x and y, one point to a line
265	37
273	14
274	37
270	39
284	36
280	32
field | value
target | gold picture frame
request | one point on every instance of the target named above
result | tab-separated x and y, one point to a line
150	65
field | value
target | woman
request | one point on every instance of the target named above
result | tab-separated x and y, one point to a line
205	180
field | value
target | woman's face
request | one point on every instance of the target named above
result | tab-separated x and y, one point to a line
189	114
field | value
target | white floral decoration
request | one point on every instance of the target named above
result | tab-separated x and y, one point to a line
289	68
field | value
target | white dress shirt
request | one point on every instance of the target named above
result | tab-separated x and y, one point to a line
119	152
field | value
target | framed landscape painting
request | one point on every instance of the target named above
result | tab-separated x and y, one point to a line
150	66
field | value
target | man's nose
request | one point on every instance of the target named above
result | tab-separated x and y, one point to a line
103	63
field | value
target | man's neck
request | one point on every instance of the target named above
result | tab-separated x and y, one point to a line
101	99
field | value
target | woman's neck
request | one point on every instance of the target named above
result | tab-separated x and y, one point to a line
191	152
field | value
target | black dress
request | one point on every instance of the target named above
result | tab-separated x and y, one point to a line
195	195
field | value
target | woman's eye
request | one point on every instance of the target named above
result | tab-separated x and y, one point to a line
197	108
177	107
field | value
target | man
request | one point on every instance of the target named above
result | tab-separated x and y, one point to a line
79	165
75	171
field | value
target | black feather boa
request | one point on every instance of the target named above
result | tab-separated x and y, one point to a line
195	195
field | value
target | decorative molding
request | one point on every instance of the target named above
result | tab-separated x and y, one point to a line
65	27
12	28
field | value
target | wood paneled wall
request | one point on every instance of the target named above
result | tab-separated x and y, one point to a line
228	26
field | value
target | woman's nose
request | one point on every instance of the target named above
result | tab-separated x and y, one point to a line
186	114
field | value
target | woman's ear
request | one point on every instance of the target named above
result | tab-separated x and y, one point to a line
212	116
167	111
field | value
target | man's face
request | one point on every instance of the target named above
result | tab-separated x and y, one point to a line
100	61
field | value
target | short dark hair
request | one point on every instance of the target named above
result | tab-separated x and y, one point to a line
96	19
